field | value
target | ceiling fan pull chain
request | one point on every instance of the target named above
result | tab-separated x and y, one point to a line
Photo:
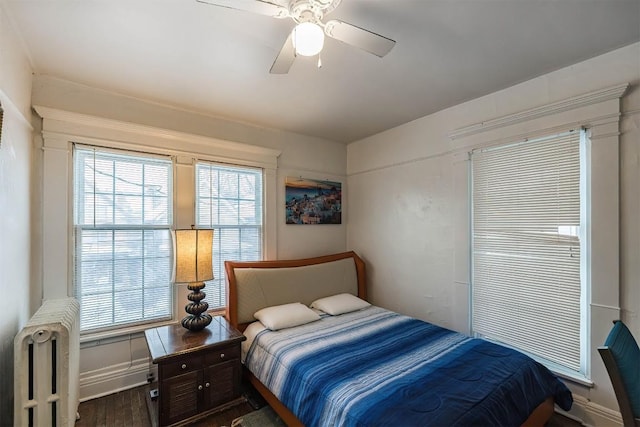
319	61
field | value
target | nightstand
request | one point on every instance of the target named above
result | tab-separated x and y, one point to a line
199	373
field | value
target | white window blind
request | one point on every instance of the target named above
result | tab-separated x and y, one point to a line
123	247
229	200
526	285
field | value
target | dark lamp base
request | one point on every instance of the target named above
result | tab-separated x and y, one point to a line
197	319
196	323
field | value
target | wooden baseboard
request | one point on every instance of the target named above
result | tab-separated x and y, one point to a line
591	414
112	379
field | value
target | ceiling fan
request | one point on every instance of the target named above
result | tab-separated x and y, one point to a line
307	37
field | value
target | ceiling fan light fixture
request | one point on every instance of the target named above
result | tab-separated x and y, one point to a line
308	39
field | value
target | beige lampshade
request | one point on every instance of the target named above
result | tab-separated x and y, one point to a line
193	255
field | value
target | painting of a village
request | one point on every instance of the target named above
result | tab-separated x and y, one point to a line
309	201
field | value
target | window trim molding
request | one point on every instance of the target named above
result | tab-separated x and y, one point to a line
595	97
61	129
115	133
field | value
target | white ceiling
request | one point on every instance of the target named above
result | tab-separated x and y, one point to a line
216	60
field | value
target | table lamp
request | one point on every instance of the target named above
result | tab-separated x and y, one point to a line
194	265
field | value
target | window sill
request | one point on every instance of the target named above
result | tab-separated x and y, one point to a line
562	372
128	332
573	377
113	335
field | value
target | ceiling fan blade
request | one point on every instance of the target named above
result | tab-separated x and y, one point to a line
255	6
359	37
285	58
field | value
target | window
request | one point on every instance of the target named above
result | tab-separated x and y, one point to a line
123	247
528	281
229	200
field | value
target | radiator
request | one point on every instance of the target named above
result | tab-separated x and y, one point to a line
46	366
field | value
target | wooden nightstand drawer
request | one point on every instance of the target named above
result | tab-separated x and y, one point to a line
183	366
222	354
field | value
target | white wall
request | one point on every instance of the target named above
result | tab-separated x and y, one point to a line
16	286
112	362
408	204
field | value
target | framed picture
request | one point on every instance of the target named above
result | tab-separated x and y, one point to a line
309	201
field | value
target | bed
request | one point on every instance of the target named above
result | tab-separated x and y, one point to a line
369	366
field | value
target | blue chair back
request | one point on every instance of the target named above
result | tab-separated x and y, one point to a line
621	357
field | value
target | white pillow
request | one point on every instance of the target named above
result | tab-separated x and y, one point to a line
339	304
286	316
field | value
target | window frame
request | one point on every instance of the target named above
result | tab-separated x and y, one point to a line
76	227
582	374
221	275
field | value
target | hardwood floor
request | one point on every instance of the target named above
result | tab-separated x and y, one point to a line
129	409
126	408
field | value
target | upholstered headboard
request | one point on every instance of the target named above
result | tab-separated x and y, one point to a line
257	284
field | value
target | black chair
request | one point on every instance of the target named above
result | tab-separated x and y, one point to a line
621	357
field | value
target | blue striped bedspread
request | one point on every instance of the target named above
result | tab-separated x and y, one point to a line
376	367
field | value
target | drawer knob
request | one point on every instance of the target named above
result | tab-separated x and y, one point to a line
221	355
200	387
207	385
184	366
